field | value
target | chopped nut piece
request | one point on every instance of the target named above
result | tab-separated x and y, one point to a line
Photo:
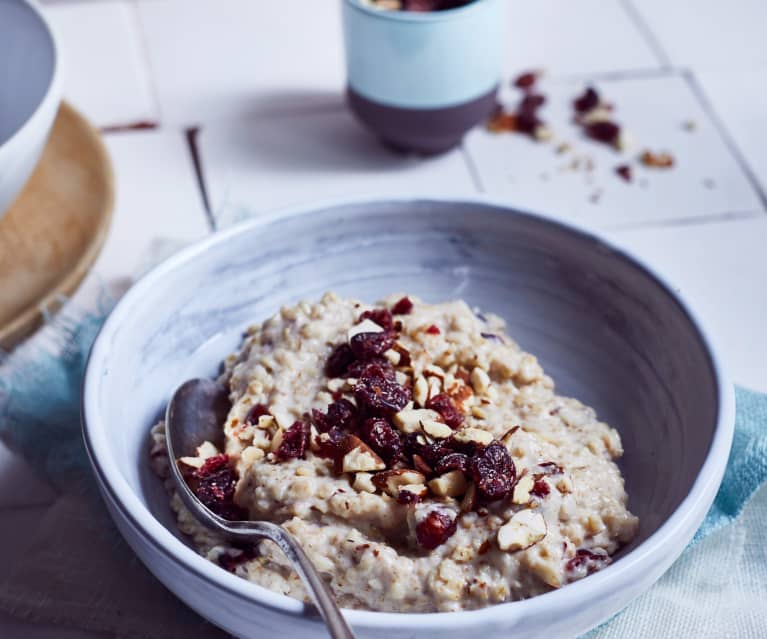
393	356
450	484
523	530
402	378
391	481
565	484
266	422
657	160
435	429
204	451
418	491
360	457
473	436
469	499
365	326
480	380
363	483
251	455
409	420
522	490
435	386
421	391
479	412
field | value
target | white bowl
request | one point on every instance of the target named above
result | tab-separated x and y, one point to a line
607	328
30	90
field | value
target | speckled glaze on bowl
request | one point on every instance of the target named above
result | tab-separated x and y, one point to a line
607	328
30	91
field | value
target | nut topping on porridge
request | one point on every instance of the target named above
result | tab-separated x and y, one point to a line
415	451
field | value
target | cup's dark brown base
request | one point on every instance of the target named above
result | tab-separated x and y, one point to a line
426	131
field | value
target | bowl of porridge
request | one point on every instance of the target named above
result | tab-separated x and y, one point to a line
472	418
30	90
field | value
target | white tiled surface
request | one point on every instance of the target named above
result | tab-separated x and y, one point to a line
714	34
104	67
739	98
534	176
214	60
542	34
257	165
263	80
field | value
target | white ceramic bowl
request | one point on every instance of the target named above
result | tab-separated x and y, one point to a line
607	328
30	90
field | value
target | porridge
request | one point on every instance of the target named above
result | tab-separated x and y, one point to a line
421	458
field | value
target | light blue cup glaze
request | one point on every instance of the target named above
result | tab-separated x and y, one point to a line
424	60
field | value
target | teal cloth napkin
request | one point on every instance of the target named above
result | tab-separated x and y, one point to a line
40	419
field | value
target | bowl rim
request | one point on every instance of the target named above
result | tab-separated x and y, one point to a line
416	17
687	516
52	92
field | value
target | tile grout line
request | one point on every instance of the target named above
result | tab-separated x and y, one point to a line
699	220
473	170
724	132
191	135
647	33
143	46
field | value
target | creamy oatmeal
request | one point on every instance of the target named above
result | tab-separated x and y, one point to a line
421	458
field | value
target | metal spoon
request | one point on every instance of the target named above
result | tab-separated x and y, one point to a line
196	413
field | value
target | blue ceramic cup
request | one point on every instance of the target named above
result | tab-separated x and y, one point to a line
419	81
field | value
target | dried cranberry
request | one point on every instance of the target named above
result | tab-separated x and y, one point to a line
604	131
447	409
540	488
493	471
339	361
381	316
625	172
550	468
586	562
377	366
586	102
402	307
419	463
433	330
526	80
528	122
380	394
230	562
434	452
366	346
341	414
294	441
406	497
452	461
329	444
435	529
214	484
255	412
379	434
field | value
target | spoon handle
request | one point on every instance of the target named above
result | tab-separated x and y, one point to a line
316	587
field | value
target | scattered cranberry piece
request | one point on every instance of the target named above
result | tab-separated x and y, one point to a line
379	434
214	484
230	562
624	171
540	488
381	316
378	393
604	131
366	346
452	461
526	80
445	407
338	362
330	444
435	529
531	102
493	472
402	307
433	330
255	412
294	441
586	102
